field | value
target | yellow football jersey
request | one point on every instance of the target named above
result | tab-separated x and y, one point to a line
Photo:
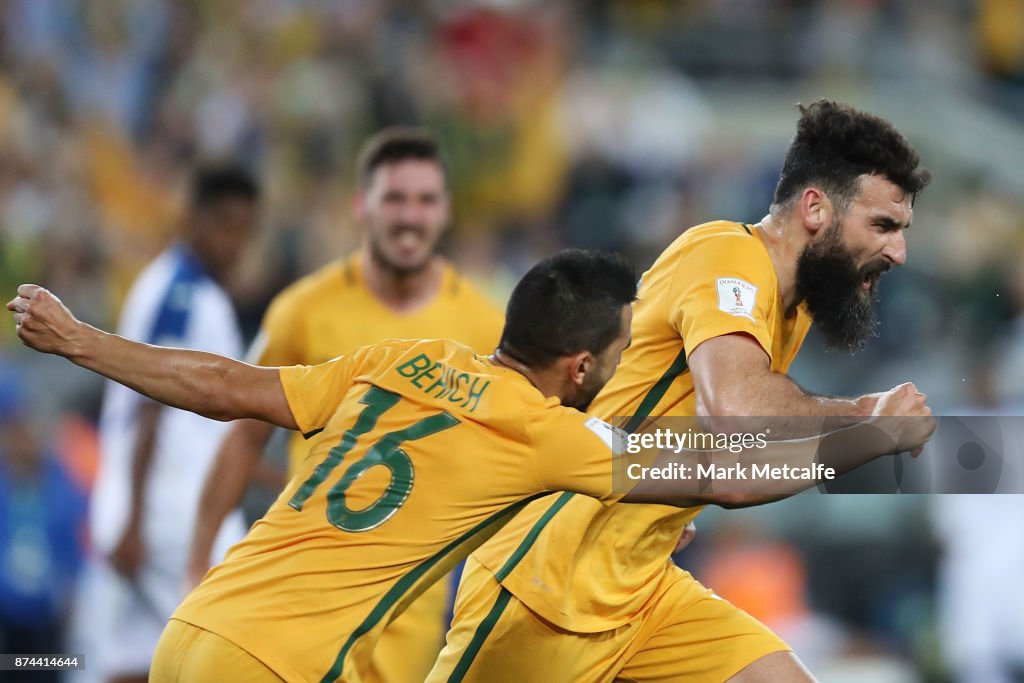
425	449
593	567
331	312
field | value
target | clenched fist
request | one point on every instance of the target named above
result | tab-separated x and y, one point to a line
906	416
43	323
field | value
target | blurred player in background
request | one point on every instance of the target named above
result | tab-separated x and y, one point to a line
573	591
154	459
395	286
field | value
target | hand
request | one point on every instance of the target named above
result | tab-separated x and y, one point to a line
128	554
689	533
914	424
866	403
42	322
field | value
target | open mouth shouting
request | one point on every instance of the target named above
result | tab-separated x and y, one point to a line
871	274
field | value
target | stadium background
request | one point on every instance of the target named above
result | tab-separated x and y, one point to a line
611	124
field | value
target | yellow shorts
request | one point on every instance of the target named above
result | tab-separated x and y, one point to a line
405	652
409	645
684	634
189	654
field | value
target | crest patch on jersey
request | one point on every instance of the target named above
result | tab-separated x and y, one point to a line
613	437
736	296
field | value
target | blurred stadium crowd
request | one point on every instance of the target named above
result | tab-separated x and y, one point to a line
606	123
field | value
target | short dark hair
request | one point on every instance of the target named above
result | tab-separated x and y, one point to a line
567	303
395	144
835	144
214	183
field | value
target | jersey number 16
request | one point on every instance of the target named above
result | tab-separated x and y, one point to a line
386	452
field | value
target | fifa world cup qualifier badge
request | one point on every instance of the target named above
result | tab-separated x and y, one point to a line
736	297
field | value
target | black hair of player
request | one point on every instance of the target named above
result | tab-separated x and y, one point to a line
835	144
568	303
215	183
394	144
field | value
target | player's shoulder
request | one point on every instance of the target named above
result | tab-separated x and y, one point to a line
436	346
711	245
554	421
725	235
448	375
327	281
389	352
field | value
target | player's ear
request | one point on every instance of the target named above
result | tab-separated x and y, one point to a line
580	366
815	210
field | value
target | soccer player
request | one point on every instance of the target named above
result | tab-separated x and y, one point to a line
361	529
154	459
395	286
589	591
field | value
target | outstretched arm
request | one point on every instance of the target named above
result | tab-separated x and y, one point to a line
732	377
210	385
901	422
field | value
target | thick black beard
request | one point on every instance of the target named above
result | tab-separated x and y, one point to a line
828	280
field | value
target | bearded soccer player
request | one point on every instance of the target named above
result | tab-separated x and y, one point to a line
361	530
575	591
396	286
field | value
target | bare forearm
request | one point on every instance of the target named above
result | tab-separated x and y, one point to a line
777	394
200	382
737	392
211	385
732	377
772	401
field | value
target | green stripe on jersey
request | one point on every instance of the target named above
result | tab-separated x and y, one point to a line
657	392
403	585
